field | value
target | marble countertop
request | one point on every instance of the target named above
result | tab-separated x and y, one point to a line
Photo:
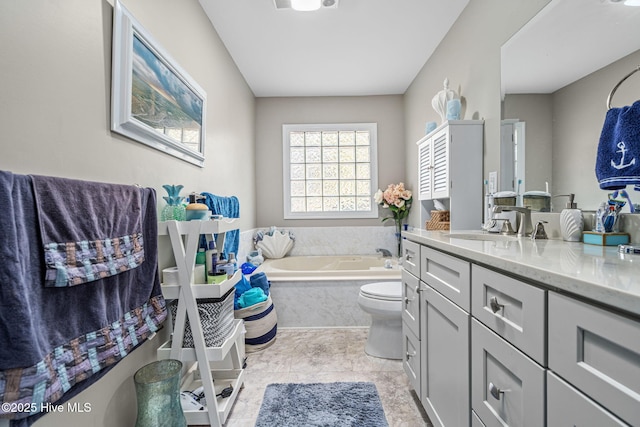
596	273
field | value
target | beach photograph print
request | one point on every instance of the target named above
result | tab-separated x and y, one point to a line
162	101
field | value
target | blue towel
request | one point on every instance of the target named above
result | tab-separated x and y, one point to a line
618	159
241	287
89	230
56	341
259	280
251	297
228	207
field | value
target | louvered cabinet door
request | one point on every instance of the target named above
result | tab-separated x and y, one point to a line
441	165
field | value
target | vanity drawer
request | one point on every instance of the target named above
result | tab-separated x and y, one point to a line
598	352
446	274
411	255
507	388
411	302
512	309
411	358
566	406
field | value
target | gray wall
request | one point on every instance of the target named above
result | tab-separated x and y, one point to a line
563	130
272	113
55	92
579	112
537	113
470	57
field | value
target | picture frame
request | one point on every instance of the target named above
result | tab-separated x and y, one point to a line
153	100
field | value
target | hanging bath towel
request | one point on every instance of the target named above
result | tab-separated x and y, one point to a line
618	161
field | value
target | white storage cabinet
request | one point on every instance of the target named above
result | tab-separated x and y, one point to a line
450	169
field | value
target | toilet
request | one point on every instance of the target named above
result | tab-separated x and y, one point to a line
383	301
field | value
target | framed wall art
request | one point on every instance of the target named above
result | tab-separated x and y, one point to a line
153	100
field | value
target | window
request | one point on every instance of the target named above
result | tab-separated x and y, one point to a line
330	170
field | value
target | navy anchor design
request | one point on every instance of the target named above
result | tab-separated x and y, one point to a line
623	149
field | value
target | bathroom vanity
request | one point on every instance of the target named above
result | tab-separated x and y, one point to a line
505	331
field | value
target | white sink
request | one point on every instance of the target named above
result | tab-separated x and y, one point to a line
480	236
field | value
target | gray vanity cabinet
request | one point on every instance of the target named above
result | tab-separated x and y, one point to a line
445	359
497	349
411	329
411	313
444	337
597	352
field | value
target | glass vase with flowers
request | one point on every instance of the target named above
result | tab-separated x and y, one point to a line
398	200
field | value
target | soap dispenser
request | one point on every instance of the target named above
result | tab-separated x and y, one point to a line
571	221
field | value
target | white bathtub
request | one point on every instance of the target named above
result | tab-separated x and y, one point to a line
334	267
322	291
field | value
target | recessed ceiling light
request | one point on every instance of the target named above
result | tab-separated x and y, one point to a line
306	5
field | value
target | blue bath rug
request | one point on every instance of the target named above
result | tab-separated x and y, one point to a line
343	404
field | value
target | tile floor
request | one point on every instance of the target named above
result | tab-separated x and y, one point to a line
326	355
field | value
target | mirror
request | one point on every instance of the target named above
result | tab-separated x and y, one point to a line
556	74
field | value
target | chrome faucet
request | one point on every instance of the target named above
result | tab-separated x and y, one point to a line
385	253
524	228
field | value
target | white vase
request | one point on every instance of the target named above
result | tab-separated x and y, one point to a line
571	225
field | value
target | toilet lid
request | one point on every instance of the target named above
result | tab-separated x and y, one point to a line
383	290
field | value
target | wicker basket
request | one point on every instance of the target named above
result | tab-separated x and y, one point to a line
439	221
216	317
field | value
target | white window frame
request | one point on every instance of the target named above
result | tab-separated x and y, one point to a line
372	128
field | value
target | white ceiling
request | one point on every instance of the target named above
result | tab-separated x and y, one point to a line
363	47
568	40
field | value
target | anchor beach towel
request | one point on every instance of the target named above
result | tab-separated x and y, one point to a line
618	160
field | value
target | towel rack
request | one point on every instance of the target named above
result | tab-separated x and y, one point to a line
618	85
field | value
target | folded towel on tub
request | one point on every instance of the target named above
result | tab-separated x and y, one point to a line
618	157
89	230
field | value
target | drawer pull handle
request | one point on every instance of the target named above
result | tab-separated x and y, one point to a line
407	300
495	305
495	391
410	355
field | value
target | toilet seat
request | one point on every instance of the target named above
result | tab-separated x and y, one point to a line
385	291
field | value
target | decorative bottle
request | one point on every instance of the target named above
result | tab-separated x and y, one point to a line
571	222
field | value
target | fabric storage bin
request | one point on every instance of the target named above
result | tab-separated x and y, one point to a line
261	325
216	317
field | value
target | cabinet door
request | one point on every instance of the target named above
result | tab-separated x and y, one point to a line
425	170
411	302
598	352
511	308
566	406
411	359
440	165
507	388
448	275
445	360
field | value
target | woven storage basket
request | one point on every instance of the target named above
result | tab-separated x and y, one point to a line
216	317
439	221
261	324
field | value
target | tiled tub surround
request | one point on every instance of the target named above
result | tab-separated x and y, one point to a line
330	240
326	301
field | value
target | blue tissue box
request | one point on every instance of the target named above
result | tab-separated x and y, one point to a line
605	239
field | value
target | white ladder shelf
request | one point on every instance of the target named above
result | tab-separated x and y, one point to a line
215	368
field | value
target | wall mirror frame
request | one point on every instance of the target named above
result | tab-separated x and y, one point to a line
556	73
153	100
